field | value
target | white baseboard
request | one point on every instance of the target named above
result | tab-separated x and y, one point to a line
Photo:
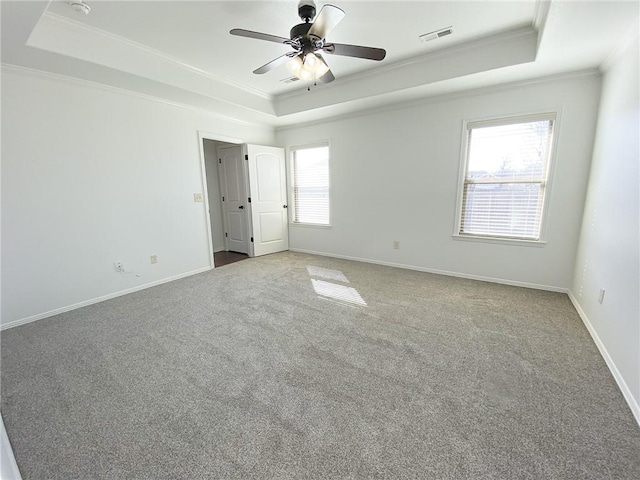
624	388
514	283
75	306
8	466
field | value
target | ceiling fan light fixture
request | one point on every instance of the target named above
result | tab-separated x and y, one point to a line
295	65
311	68
305	75
310	62
320	67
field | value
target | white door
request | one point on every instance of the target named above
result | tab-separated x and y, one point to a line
234	199
268	187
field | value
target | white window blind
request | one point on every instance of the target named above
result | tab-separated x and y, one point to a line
310	172
505	178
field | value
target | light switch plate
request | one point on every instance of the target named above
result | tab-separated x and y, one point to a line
197	197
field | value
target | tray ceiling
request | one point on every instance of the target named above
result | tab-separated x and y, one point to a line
182	51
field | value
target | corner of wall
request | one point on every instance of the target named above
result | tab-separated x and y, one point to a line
624	388
607	254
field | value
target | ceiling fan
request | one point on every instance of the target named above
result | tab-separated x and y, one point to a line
307	39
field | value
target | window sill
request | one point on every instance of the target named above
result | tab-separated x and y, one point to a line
498	240
312	225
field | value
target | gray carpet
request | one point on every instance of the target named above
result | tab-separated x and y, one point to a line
248	372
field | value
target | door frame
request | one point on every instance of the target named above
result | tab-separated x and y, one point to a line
204	135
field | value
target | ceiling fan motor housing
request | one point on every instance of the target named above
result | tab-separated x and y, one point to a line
304	42
299	30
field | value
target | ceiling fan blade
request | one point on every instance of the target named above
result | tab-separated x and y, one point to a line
327	77
274	63
357	51
327	19
260	36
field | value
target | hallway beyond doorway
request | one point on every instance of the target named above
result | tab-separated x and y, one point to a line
225	258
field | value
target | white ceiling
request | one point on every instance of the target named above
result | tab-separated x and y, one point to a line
182	51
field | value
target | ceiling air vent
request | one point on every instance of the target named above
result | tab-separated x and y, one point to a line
437	34
289	79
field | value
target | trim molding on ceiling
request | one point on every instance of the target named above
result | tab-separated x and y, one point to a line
442	97
20	70
540	15
89	30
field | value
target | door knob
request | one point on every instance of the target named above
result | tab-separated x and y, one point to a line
285	206
241	207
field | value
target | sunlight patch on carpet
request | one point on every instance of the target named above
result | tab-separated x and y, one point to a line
327	273
341	293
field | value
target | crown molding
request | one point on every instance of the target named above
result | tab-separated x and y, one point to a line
292	124
17	69
84	29
441	97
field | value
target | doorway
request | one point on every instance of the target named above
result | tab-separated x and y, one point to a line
222	253
234	173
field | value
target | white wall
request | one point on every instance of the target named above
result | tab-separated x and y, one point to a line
609	249
90	176
394	176
213	189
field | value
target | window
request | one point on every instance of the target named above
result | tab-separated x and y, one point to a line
310	189
505	177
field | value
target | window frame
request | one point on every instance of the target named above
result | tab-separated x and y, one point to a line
290	185
467	125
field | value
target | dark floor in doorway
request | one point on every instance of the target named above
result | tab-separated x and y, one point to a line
225	258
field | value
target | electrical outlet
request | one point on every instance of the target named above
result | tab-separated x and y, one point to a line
197	197
601	296
119	267
154	259
396	244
